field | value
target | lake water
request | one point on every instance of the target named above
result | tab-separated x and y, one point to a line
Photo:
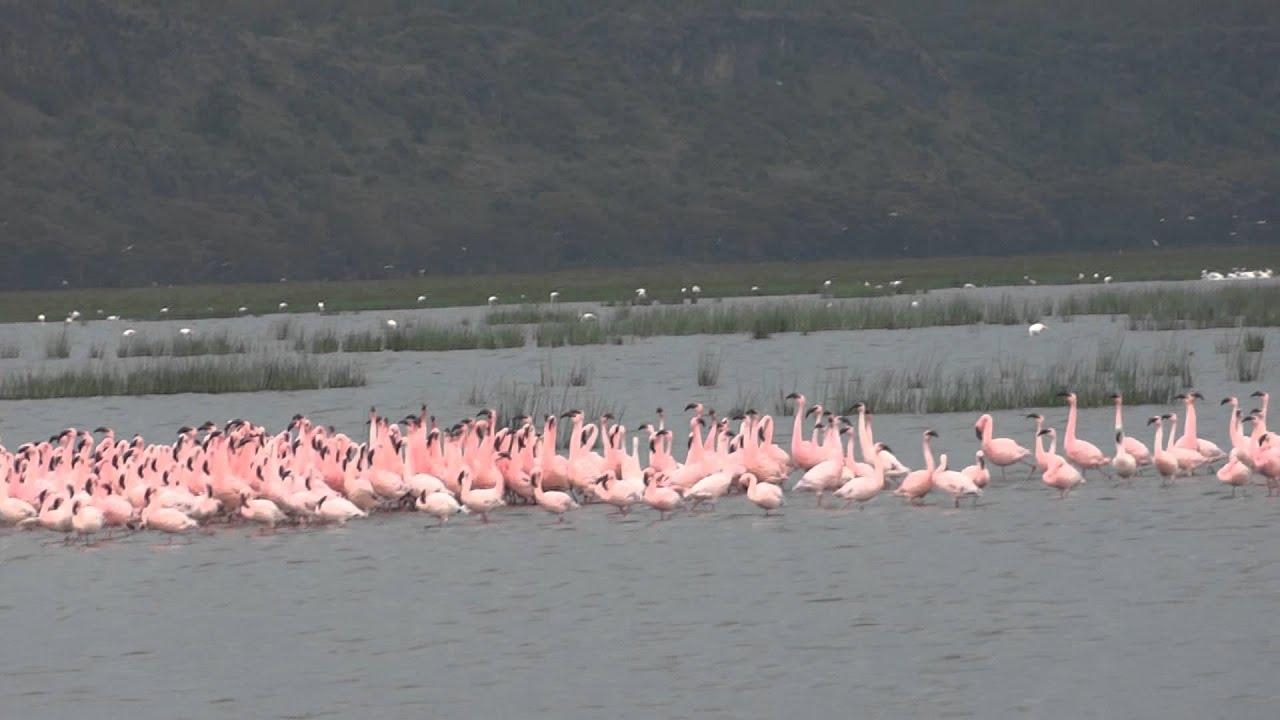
1116	603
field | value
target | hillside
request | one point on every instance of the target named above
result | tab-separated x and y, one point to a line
185	142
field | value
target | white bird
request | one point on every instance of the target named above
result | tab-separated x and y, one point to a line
709	489
283	306
335	508
242	309
75	314
392	324
164	310
184	331
113	317
1036	329
422	298
129	333
587	317
493	300
440	504
261	510
320	306
915	303
970	285
86	520
696	289
755	288
555	296
40	317
1107	280
766	496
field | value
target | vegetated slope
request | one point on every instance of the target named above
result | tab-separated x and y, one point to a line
244	140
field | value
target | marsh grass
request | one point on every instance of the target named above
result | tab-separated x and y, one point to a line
1254	342
577	375
97	351
1194	306
418	338
927	387
189	346
9	351
283	328
1244	366
553	335
529	315
320	343
437	338
763	320
512	399
708	370
57	346
204	375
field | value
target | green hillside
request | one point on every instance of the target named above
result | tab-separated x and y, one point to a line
244	140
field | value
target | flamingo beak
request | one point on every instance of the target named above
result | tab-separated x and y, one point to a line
1225	401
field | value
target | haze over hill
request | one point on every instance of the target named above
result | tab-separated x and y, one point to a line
244	140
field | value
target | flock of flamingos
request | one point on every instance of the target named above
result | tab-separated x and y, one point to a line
306	474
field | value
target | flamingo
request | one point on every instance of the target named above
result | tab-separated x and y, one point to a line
1083	453
955	483
1059	475
709	489
766	496
660	498
1189	459
1124	464
553	501
1001	452
480	500
1166	463
1235	473
1189	439
261	511
1133	446
977	472
863	489
86	520
439	504
804	453
337	509
918	483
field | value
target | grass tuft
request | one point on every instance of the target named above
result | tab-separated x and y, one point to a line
204	375
709	365
57	346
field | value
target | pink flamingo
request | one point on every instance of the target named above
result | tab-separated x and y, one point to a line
1060	475
1166	463
1189	439
553	501
955	483
804	453
1235	473
917	483
766	496
1001	452
977	472
660	498
1133	446
1083	453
